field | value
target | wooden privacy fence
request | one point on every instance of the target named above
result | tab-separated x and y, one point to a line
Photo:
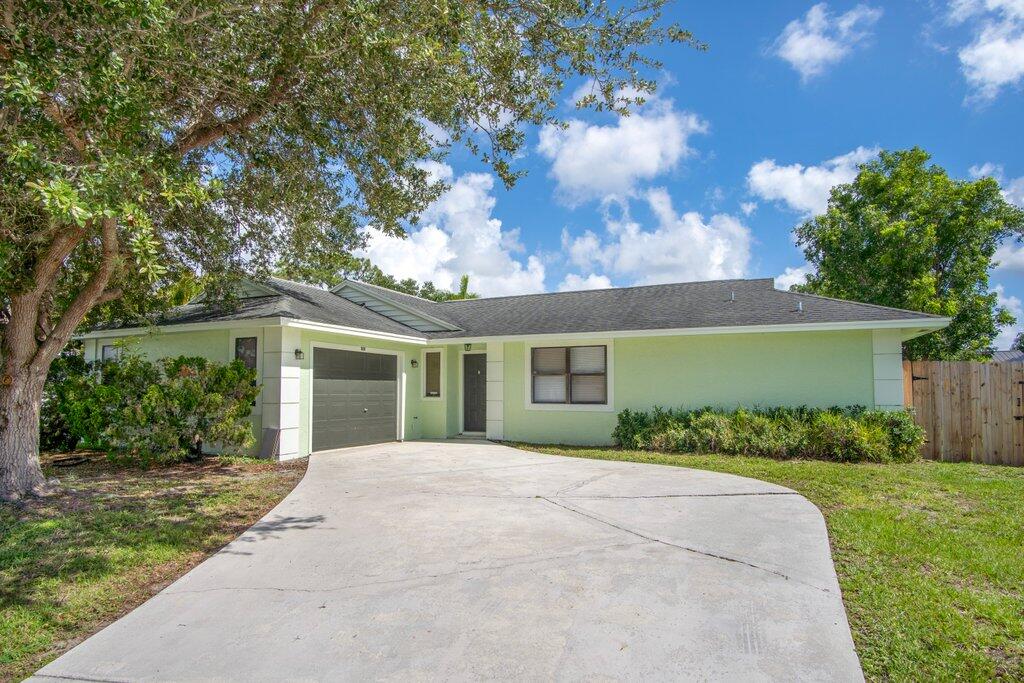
971	411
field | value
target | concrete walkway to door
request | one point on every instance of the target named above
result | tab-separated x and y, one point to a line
468	561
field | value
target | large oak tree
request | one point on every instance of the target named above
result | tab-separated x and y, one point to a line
148	143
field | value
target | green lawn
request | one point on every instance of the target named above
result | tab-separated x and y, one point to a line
113	537
930	557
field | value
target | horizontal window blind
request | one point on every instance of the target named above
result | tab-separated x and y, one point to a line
569	374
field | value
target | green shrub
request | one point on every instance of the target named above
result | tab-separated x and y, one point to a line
843	434
135	409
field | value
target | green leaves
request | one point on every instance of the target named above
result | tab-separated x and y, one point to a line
904	234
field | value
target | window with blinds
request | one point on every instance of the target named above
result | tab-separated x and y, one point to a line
570	374
432	374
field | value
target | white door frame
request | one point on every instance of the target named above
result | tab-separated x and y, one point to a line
401	379
462	392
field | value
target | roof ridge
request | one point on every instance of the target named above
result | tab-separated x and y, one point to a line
609	289
860	303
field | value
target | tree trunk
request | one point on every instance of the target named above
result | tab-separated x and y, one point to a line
20	398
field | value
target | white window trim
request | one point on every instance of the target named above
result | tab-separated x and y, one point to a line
400	418
461	390
257	408
423	374
608	407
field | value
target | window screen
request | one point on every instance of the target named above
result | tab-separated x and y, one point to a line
432	374
570	374
245	351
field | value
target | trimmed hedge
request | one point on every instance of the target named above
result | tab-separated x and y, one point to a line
851	434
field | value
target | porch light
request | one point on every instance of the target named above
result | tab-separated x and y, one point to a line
299	355
468	347
415	363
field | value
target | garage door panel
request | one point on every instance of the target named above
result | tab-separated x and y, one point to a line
355	398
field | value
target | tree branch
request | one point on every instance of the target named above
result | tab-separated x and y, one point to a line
86	298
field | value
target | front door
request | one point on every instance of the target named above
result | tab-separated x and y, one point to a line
474	392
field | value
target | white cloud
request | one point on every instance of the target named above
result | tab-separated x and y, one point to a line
591	161
1010	257
994	59
575	283
1016	309
793	276
1013	188
459	235
819	39
748	208
805	189
680	247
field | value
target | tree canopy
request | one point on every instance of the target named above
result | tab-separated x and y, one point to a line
151	142
905	234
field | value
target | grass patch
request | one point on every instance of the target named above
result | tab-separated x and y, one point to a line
114	536
930	556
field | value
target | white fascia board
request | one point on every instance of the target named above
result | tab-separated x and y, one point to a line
914	327
253	322
397	304
184	327
353	331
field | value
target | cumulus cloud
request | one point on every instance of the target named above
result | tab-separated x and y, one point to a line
575	283
592	161
459	235
679	247
819	40
793	276
805	189
748	208
994	59
1013	188
1016	309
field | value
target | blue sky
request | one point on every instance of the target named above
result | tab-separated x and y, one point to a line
741	143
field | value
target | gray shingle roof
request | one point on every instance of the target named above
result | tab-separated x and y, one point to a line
719	303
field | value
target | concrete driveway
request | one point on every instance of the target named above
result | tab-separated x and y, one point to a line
463	560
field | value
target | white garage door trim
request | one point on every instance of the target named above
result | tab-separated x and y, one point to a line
400	418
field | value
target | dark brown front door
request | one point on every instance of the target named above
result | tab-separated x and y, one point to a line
474	392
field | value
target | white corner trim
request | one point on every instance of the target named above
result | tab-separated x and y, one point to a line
608	407
423	374
400	418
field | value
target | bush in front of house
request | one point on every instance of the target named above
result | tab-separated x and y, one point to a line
139	410
851	434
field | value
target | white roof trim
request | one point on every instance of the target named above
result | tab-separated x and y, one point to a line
915	325
912	327
369	291
251	322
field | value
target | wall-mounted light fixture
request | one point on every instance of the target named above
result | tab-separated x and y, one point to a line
415	363
468	347
299	355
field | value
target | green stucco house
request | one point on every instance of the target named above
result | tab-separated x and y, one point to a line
360	364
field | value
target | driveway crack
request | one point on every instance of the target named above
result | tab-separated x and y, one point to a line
689	549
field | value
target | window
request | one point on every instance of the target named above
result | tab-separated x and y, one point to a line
245	351
432	374
570	374
110	352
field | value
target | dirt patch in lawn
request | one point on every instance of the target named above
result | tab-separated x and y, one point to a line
112	537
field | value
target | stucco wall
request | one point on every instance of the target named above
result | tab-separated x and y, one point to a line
780	369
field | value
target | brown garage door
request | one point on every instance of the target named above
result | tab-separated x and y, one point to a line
355	398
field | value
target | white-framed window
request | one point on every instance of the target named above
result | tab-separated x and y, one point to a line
110	352
432	374
569	375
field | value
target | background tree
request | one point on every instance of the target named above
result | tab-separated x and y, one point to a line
905	234
330	271
149	142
